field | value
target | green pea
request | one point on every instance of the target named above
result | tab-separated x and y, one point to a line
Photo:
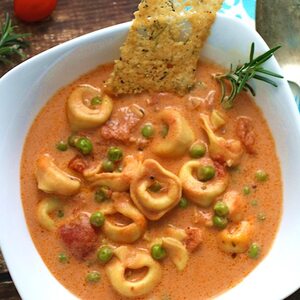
60	213
104	254
254	251
166	297
63	258
183	203
220	222
93	276
158	252
197	150
221	209
246	190
84	145
72	139
115	154
261	216
119	169
147	131
108	166
164	131
155	187
236	169
261	176
254	202
97	219
103	193
96	100
206	173
62	146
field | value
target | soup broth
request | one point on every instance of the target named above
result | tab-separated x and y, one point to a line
253	182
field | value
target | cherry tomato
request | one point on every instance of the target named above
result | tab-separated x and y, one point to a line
34	10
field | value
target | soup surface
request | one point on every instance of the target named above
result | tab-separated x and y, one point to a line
208	241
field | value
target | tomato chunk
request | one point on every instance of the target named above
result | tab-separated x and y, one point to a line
246	134
79	236
78	164
122	123
194	238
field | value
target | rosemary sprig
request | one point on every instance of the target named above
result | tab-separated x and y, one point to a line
239	77
11	43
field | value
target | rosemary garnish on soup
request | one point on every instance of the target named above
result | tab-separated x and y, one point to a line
238	78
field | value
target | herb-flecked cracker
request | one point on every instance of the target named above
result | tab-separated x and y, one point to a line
162	46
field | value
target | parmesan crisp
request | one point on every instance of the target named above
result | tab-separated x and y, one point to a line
162	47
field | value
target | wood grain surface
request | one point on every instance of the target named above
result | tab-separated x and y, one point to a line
70	19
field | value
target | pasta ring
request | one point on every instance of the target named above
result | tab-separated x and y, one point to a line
236	205
131	258
179	138
52	179
236	238
44	209
229	151
80	115
155	206
118	182
176	251
128	233
202	193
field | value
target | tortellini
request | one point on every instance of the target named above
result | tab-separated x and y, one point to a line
52	179
132	258
217	119
176	251
44	209
236	205
229	151
176	233
123	233
170	231
116	181
172	240
155	204
82	114
236	238
202	192
179	135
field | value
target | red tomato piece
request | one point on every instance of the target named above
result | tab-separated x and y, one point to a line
34	10
79	236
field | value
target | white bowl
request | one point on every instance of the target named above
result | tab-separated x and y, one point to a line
26	89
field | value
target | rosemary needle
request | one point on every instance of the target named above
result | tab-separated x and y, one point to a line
239	77
11	43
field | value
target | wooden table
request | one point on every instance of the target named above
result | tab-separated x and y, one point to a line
71	18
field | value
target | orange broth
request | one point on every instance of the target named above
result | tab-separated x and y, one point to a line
209	271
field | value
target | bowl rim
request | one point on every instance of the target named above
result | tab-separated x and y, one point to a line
72	42
80	41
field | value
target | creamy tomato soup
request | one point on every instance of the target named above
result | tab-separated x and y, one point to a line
151	196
